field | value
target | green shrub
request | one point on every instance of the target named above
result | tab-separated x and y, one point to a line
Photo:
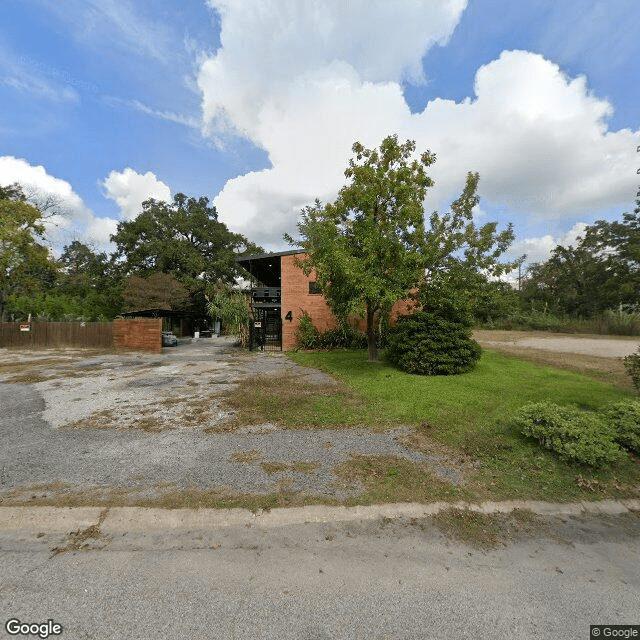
233	309
624	418
632	366
622	323
575	435
307	336
433	342
341	337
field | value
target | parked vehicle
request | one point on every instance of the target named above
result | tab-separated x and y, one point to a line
169	339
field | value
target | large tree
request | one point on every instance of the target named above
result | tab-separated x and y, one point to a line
90	280
366	247
25	264
184	239
371	248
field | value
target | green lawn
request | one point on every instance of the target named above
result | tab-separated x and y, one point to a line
471	413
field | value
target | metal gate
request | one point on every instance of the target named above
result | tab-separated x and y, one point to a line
266	332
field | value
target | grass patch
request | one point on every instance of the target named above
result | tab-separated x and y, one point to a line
471	413
285	400
488	531
298	466
105	419
29	378
608	370
393	479
159	495
456	405
247	457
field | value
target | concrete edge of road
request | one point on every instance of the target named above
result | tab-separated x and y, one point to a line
136	519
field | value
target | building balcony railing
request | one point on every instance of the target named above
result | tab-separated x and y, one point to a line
262	294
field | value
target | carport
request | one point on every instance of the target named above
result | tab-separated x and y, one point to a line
181	323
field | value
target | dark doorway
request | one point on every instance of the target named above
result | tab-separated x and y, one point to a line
267	328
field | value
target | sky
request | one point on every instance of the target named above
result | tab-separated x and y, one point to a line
256	104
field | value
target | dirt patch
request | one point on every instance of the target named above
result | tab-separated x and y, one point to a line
457	460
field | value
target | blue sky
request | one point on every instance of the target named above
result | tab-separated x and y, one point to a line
256	103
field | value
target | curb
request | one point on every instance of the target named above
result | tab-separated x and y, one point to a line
136	519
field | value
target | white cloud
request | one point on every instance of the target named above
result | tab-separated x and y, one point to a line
305	80
539	249
72	219
268	44
129	189
538	139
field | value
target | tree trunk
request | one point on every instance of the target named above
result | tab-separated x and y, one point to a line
372	338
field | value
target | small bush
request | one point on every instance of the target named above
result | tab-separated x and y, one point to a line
624	419
433	342
342	337
632	366
307	336
575	435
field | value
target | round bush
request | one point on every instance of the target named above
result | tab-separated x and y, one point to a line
433	343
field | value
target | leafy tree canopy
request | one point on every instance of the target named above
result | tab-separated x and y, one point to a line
25	264
184	239
158	291
366	247
371	248
601	272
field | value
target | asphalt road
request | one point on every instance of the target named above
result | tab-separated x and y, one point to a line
379	579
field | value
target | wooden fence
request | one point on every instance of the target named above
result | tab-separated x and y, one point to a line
57	334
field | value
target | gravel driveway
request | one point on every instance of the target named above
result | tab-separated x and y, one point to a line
599	346
140	425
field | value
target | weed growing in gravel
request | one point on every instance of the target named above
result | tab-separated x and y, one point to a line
299	466
488	531
393	479
285	400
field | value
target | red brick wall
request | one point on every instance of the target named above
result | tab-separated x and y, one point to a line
138	334
296	298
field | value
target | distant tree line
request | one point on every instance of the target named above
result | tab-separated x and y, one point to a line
171	256
602	272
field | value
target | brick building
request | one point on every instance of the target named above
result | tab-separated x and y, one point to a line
284	293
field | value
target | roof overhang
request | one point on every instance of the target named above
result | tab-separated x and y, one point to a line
158	313
265	267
